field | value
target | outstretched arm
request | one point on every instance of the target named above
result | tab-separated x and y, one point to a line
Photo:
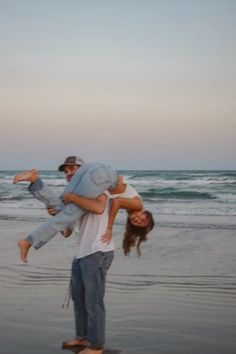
134	204
92	205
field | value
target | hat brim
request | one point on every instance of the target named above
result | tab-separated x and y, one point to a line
62	167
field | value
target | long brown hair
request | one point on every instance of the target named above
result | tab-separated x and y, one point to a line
135	235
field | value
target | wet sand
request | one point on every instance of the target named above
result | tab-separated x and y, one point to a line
179	297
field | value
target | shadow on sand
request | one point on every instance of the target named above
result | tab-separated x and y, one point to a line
78	349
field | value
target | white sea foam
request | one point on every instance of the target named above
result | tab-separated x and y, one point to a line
163	192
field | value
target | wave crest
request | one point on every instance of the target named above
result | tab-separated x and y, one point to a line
171	193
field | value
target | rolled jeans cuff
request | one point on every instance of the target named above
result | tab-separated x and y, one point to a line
30	239
81	337
36	186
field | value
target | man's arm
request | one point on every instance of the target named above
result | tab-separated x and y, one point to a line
92	205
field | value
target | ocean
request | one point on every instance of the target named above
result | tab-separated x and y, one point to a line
178	297
208	193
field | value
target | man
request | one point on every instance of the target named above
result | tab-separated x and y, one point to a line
89	267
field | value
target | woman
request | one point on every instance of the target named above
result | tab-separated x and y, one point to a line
138	225
139	221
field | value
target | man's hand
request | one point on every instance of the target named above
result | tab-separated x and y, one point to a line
68	198
67	232
51	211
106	238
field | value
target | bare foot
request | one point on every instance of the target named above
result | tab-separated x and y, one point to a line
24	246
74	342
91	351
30	176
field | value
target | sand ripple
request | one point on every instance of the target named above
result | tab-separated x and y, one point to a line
120	283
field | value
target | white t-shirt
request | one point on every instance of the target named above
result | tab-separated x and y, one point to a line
129	192
90	229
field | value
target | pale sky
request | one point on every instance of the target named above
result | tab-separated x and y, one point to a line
137	84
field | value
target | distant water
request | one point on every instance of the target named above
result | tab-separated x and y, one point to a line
202	193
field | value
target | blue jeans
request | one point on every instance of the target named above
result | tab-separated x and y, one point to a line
91	180
46	195
88	290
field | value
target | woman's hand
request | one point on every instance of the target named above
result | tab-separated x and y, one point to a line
67	232
51	211
107	237
68	198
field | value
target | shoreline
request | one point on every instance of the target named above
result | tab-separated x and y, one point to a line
180	220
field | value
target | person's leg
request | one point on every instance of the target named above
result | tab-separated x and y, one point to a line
80	313
94	269
93	180
39	190
89	181
45	195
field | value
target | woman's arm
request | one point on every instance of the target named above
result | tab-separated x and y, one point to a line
93	205
134	204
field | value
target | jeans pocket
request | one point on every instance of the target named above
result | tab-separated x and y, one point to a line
101	176
108	258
